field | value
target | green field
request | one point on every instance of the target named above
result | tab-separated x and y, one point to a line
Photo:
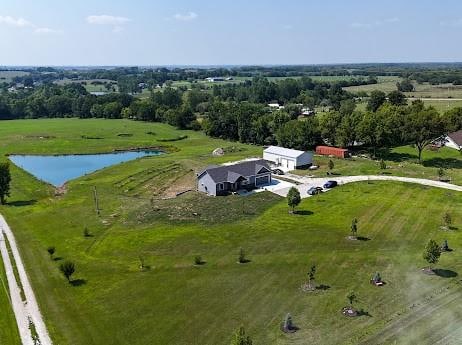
8	76
174	302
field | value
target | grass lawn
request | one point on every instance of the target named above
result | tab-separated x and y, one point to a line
173	302
8	330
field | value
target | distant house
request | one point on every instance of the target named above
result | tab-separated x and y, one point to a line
214	79
288	158
454	140
221	180
275	105
308	112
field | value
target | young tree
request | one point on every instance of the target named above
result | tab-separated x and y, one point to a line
67	268
351	297
241	258
445	246
86	232
354	227
330	165
447	220
311	275
383	165
5	179
432	253
240	338
440	173
51	251
287	324
293	198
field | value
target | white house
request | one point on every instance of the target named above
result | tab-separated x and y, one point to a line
287	159
454	140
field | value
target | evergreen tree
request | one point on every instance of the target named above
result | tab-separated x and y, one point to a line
240	338
5	179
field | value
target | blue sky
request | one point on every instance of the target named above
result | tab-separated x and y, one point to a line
180	32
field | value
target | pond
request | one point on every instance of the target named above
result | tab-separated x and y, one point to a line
57	170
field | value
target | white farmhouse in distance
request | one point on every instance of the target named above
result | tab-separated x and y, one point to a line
287	159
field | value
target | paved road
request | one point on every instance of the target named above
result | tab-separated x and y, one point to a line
307	182
23	310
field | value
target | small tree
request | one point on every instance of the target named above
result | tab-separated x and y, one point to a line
241	259
51	251
383	165
432	253
141	259
440	173
67	268
240	338
311	275
351	297
198	260
330	165
287	324
86	232
445	246
376	278
354	227
5	179
447	219
293	198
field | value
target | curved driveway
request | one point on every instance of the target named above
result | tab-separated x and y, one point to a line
308	182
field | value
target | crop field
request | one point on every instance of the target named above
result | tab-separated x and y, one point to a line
172	301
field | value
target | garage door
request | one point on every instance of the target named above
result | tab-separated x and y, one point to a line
262	180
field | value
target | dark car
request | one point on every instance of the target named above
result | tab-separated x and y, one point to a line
330	184
314	191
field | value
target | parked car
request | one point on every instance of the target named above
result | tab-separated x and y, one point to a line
314	190
278	172
330	184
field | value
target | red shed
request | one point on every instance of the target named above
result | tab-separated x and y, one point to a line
334	151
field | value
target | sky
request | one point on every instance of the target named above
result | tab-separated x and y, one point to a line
231	32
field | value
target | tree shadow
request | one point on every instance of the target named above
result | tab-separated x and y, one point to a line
78	282
398	157
361	238
445	273
19	203
438	162
362	312
304	212
244	261
57	258
323	287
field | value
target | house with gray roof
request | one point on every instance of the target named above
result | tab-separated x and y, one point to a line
454	140
222	180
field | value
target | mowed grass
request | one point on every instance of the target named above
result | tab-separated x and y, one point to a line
174	302
8	330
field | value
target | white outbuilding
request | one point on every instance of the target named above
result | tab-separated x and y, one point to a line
288	159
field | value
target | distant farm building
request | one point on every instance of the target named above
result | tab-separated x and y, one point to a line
332	151
222	180
287	158
274	105
214	79
454	140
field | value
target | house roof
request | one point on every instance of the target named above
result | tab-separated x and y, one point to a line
232	173
456	137
282	151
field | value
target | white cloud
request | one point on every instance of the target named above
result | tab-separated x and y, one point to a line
105	19
377	23
23	23
185	17
17	22
45	31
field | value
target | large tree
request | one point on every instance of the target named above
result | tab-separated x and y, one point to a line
5	179
422	125
376	99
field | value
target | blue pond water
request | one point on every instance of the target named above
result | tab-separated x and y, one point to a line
57	170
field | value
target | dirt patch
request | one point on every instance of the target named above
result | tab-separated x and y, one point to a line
179	186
